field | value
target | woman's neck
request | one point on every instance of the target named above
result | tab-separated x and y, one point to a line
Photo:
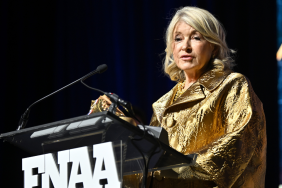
191	78
193	75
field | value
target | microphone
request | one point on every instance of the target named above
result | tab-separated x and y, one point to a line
24	118
100	69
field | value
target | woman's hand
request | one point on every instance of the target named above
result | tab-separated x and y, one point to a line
105	104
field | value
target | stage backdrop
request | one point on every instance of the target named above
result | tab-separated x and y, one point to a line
279	65
47	44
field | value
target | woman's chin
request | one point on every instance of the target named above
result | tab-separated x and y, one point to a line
188	68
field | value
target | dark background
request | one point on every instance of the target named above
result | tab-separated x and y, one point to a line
44	45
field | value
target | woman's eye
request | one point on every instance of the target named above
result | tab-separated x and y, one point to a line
196	38
177	39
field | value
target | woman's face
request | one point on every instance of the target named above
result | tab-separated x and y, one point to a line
191	52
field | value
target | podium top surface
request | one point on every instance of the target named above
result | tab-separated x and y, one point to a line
50	125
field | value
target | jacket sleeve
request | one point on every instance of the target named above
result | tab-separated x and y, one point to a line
242	116
154	121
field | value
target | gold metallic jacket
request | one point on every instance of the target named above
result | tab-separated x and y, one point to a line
220	118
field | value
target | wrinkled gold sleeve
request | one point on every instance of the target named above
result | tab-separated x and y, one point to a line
220	118
154	121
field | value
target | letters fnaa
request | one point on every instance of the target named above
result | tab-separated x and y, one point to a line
82	170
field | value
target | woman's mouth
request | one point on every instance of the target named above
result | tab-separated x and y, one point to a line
186	57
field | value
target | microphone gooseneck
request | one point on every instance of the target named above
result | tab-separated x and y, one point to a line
24	118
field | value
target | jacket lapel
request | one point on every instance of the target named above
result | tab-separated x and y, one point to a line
193	93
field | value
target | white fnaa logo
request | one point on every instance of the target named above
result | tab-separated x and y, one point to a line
80	159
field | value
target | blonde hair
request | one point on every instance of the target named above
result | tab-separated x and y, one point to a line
211	29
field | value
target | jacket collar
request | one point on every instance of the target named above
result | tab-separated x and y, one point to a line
214	77
210	80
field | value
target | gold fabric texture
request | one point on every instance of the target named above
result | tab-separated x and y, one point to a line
220	118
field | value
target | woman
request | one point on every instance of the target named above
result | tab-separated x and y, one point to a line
211	111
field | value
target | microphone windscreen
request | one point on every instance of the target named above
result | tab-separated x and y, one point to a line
102	68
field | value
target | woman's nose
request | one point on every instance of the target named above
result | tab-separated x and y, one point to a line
186	46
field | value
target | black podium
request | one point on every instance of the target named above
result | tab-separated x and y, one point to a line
130	145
